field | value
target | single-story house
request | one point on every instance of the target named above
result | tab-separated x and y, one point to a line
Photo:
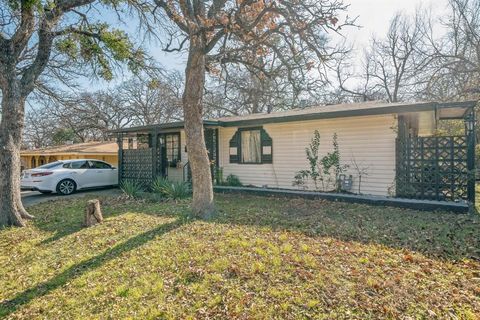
106	151
384	148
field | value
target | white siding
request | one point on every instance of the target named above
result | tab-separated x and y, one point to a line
370	140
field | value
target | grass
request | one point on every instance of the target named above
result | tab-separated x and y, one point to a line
258	258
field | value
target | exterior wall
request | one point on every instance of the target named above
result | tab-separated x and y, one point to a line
27	160
369	139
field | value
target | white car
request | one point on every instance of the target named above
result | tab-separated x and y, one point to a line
67	176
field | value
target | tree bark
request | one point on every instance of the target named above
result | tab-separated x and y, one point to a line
12	211
202	204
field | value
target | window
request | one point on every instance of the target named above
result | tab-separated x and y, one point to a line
76	165
172	147
99	165
51	165
251	146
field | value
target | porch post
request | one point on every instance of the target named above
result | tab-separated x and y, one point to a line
120	156
471	157
154	146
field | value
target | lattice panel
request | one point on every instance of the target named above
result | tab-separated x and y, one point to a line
138	166
433	168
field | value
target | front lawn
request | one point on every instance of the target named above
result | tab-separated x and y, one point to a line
259	258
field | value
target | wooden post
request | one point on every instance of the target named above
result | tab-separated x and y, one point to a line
120	157
471	160
93	213
154	146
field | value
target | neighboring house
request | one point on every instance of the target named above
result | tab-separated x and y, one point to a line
393	143
105	151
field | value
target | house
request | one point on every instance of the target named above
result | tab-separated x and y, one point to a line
388	148
106	151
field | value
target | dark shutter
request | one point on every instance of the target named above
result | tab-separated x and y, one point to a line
266	142
235	143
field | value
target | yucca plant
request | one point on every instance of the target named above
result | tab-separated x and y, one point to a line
159	185
170	189
131	188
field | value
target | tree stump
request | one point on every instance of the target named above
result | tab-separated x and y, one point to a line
93	213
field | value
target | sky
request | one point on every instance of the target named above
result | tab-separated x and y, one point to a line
373	19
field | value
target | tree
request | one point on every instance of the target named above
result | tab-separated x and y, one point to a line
455	70
152	100
268	36
34	31
392	66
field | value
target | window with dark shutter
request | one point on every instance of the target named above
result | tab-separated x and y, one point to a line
267	147
233	148
251	146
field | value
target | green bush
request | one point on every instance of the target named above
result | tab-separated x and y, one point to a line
170	189
233	181
131	188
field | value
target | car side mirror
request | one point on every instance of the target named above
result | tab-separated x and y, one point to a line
113	168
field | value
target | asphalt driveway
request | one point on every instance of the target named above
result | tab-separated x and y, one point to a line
30	198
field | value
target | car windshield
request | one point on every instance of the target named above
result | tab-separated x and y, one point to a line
51	165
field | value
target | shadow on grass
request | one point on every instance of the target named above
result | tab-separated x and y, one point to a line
42	289
435	234
70	219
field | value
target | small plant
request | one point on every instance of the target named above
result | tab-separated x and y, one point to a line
132	189
361	172
302	176
332	168
171	189
324	171
233	181
159	185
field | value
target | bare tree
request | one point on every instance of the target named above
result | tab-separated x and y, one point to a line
455	73
392	66
152	101
37	36
267	36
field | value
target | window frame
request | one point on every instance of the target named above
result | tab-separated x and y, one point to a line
179	152
239	147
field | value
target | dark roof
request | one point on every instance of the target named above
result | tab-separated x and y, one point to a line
319	112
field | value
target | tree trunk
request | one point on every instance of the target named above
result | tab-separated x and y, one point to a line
12	211
93	213
193	111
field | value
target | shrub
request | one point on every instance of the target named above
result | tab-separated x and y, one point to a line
233	180
159	185
170	189
131	188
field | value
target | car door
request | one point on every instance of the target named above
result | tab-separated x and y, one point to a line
81	173
102	173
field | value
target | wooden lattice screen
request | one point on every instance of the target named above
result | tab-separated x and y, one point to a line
137	165
432	168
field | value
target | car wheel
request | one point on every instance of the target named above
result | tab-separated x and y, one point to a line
66	187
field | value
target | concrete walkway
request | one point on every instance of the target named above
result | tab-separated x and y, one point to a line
30	198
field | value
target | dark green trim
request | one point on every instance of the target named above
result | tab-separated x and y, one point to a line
428	106
160	127
374	110
425	205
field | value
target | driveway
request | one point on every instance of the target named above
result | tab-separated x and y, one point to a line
30	198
